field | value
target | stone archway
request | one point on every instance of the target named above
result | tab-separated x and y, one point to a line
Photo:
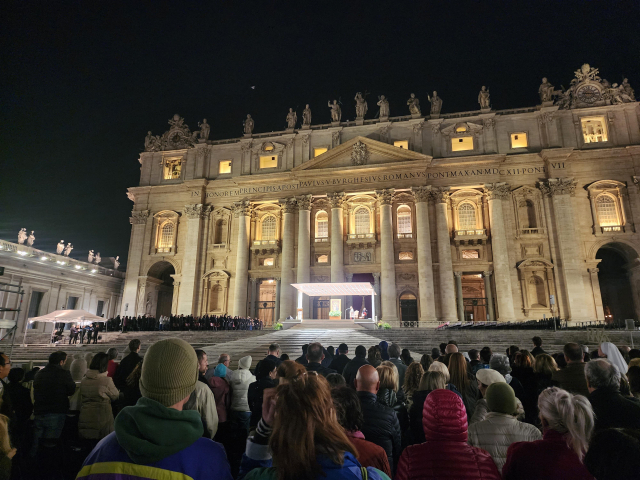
618	277
408	309
159	289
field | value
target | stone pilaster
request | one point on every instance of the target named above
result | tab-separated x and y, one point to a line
376	287
304	247
138	222
191	257
286	290
561	190
445	270
489	293
387	257
459	295
496	192
253	290
242	213
597	295
421	197
276	313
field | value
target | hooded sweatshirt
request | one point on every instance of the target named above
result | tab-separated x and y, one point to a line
151	439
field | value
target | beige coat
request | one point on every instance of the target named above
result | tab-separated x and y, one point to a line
482	410
97	391
497	432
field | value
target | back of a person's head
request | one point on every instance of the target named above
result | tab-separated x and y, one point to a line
614	454
394	350
412	377
343	348
545	364
634	353
16	375
336	380
451	348
406	356
458	371
443	347
314	353
523	359
474	354
331	350
361	351
444	424
485	354
500	363
56	357
432	380
426	360
435	352
304	348
442	368
633	375
223	357
374	355
134	345
537	341
367	379
602	374
99	362
501	398
112	353
304	426
274	347
570	415
284	356
573	352
388	378
348	409
264	368
288	370
452	342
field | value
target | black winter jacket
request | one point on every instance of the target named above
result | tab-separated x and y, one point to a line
339	362
255	395
316	367
127	365
612	410
52	388
351	369
381	426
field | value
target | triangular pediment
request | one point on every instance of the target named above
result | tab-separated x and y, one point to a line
361	153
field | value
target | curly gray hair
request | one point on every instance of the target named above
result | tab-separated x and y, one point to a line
602	374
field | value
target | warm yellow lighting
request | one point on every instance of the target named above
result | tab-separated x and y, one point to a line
225	166
319	151
268	262
268	161
401	144
460	144
405	256
461	129
519	140
323	258
268	148
594	129
172	168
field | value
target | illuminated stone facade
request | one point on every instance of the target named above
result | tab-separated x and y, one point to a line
486	215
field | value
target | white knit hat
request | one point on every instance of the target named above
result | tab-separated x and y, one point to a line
245	362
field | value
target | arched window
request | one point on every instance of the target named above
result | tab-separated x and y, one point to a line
404	221
607	211
322	224
269	228
466	216
165	243
363	225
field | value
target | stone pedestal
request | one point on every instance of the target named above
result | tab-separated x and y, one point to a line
304	247
286	290
359	121
242	213
425	264
448	311
387	258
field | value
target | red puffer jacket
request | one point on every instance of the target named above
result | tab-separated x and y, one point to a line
446	453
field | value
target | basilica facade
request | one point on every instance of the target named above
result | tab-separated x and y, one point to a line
487	215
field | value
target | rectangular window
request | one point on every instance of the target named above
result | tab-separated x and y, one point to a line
34	305
519	140
172	168
460	144
470	254
268	161
266	262
72	302
322	258
225	166
319	151
100	308
401	144
405	256
323	229
594	129
404	222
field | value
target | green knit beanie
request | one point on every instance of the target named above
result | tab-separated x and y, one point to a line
169	371
501	398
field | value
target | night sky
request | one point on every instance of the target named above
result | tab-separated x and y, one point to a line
81	82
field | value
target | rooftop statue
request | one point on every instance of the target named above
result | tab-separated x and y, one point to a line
628	90
22	236
31	239
361	105
336	111
414	105
98	258
60	247
67	249
91	256
546	91
436	103
116	263
205	128
483	98
292	119
383	103
248	125
306	116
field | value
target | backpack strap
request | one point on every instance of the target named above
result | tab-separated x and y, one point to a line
365	474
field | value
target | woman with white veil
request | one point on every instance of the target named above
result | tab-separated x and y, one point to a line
609	351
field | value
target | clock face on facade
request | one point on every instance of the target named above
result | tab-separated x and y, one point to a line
588	94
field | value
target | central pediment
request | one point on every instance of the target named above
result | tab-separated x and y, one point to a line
360	153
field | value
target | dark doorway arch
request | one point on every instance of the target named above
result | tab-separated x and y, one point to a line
615	285
163	271
408	310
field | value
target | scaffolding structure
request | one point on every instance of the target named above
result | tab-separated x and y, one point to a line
10	288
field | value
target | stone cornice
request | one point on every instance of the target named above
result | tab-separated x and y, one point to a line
556	154
139	217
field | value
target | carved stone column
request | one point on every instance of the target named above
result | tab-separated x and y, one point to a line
387	257
349	298
496	192
561	190
276	313
597	295
425	263
376	287
304	247
337	236
253	282
459	295
242	212
286	290
489	293
191	257
445	270
138	222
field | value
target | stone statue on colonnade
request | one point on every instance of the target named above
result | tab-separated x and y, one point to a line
248	125
336	111
22	236
67	249
414	105
91	256
292	119
31	239
60	247
483	98
546	91
306	116
116	263
436	103
383	103
98	258
361	105
205	128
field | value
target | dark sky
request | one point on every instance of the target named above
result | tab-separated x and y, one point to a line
81	82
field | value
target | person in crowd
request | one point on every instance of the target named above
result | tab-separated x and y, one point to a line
202	401
391	394
485	357
485	378
511	352
567	424
571	378
537	346
614	454
157	437
500	429
221	392
474	361
127	364
435	353
523	371
52	388
543	369
374	356
73	332
97	391
633	375
20	398
112	353
426	360
288	371
464	382
451	348
203	365
78	368
430	381
303	359
384	350
609	351
351	368
224	359
445	453
411	383
265	378
131	391
299	437
273	354
315	356
394	357
443	347
336	380
381	425
611	409
406	357
242	378
500	363
340	361
284	357
6	451
349	413
329	353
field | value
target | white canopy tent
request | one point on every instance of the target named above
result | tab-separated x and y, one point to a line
335	290
63	316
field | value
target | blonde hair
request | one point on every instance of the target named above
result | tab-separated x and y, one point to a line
288	370
388	377
570	415
545	364
433	380
442	368
412	378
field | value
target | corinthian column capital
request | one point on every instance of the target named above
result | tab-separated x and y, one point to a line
304	202
337	199
385	197
422	194
497	191
558	186
242	208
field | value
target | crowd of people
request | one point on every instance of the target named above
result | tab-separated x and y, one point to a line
379	414
146	323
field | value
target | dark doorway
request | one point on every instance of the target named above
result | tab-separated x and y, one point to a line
321	308
615	287
162	271
408	310
357	302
